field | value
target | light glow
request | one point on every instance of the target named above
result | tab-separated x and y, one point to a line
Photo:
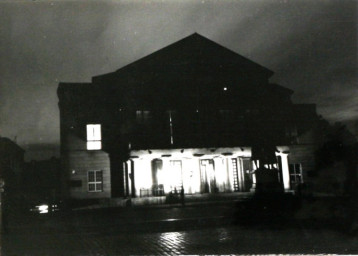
94	137
93	132
171	128
285	172
221	173
94	145
180	168
175	239
176	174
43	208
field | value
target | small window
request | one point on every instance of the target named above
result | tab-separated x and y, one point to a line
295	174
291	131
95	181
94	138
227	115
142	116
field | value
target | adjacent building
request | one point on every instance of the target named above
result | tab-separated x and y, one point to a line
42	180
11	164
193	115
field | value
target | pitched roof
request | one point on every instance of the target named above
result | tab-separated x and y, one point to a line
6	144
188	55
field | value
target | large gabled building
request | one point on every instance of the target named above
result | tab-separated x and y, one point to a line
193	115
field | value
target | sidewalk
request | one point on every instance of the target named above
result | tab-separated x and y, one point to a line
160	202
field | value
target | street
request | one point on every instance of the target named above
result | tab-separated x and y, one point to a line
203	229
224	240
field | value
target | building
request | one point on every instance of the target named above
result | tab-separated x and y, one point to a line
41	180
11	164
193	115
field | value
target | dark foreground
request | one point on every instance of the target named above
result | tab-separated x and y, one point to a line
221	228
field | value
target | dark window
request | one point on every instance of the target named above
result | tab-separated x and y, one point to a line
95	181
227	115
142	116
295	174
291	131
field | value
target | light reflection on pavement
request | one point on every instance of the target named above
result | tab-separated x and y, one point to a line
225	240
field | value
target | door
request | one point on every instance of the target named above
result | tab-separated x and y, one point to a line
208	181
157	186
246	174
176	181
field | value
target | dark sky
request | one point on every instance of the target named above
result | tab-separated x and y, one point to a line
310	45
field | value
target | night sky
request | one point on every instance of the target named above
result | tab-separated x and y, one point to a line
310	45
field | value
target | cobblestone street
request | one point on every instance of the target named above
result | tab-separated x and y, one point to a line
217	240
204	229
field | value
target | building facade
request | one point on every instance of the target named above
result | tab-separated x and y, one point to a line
11	164
193	115
41	180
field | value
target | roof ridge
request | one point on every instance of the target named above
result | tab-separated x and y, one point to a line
197	38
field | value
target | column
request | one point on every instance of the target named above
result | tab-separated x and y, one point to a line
285	172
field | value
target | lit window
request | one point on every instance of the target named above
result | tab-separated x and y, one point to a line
95	181
94	137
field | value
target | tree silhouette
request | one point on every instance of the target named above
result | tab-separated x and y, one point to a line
340	145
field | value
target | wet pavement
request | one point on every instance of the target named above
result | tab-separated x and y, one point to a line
222	240
201	229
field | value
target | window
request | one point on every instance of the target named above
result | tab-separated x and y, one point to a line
227	115
95	181
295	174
94	137
291	131
142	116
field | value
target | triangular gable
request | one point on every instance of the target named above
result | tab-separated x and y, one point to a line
190	54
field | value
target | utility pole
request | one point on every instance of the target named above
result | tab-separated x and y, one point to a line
171	128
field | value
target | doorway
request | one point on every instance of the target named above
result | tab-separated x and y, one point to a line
207	173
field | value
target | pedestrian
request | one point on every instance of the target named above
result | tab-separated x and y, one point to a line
182	199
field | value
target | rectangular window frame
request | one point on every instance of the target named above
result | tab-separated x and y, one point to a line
295	172
96	184
143	116
94	136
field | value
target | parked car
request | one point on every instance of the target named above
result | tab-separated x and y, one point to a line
45	207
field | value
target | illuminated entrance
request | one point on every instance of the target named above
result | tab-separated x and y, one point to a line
175	177
157	180
208	181
159	172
